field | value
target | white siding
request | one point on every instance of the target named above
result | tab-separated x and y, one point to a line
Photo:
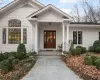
89	35
20	14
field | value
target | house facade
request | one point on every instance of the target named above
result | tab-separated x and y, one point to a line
42	27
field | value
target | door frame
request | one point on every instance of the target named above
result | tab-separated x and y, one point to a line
44	37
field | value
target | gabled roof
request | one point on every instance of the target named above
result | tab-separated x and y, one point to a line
46	8
18	1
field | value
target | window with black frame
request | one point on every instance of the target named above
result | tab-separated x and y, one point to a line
77	37
4	36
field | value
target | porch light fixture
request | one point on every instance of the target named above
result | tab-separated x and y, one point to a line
49	23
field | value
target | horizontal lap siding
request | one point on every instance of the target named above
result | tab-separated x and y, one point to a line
89	35
20	14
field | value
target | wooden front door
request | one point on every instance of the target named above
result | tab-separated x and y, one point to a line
49	39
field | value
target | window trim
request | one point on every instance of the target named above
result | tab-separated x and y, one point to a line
7	28
78	38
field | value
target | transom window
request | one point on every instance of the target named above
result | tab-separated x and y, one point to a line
77	37
14	23
14	33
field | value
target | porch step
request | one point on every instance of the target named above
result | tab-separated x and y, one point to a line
49	53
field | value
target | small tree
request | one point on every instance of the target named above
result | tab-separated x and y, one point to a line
21	48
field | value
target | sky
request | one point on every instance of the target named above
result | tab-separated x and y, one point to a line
65	5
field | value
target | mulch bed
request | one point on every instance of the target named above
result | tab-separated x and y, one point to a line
76	63
18	68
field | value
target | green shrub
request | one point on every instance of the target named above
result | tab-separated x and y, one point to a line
21	55
71	46
91	49
15	61
79	47
6	55
97	63
73	52
1	57
97	50
21	48
96	44
88	60
32	53
84	50
11	58
13	54
78	51
6	65
94	58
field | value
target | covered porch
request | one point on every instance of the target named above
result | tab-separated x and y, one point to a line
50	29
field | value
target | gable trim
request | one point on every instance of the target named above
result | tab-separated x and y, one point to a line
46	7
15	1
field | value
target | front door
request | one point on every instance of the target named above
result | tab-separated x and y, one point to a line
49	39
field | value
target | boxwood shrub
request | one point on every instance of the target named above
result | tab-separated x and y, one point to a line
97	64
88	60
6	65
21	48
97	50
94	58
96	44
1	57
91	49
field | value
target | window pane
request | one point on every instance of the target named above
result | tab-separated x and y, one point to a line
25	36
4	36
75	37
14	36
79	37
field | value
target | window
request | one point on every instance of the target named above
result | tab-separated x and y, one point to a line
4	36
13	32
14	36
25	36
14	23
77	37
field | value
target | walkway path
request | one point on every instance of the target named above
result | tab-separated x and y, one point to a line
50	68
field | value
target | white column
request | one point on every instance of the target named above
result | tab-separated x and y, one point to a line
67	37
67	34
63	36
36	37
